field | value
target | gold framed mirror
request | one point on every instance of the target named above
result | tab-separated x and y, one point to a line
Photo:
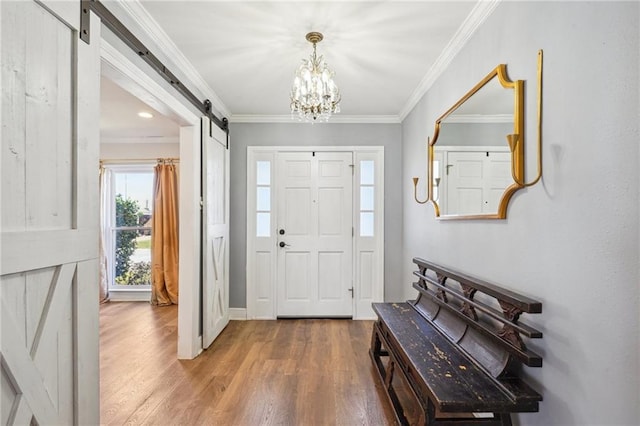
476	154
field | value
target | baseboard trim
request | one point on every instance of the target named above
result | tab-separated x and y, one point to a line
130	295
238	314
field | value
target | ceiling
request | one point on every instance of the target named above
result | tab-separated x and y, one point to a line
119	120
245	53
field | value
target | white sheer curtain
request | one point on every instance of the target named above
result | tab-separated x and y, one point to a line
104	237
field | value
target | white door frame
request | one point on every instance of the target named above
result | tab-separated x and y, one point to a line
127	74
368	253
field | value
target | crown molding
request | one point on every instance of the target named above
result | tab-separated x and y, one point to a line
481	11
136	11
152	29
335	119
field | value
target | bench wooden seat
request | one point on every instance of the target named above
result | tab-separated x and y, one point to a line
455	354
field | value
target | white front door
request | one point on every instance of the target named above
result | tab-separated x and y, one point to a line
215	233
49	227
315	234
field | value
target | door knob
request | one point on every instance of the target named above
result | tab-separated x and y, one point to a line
283	244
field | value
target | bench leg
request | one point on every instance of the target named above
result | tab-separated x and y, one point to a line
393	396
504	418
430	413
386	375
375	341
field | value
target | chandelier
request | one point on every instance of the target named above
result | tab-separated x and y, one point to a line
314	95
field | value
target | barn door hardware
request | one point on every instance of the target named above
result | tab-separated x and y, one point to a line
123	33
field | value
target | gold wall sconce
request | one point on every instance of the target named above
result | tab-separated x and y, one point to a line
514	139
415	191
415	183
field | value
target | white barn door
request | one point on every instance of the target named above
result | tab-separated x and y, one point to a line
49	225
215	219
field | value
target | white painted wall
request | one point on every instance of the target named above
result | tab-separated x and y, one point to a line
571	241
134	151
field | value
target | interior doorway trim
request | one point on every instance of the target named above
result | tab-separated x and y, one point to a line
368	250
124	72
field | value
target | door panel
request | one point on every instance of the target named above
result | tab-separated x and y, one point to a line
330	279
499	177
215	219
48	268
297	280
330	211
315	269
297	211
476	181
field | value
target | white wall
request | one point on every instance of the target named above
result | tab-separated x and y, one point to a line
571	241
134	151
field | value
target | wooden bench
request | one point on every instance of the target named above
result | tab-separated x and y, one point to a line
458	348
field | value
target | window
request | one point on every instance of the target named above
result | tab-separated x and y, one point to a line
367	193
263	198
129	223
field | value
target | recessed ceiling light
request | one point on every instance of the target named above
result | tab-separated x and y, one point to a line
145	114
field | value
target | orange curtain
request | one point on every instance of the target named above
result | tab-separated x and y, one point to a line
164	236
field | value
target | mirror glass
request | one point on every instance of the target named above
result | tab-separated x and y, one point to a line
469	157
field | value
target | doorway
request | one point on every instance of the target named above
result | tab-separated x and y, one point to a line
133	137
315	231
315	234
119	69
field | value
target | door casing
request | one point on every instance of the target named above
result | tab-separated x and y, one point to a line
368	253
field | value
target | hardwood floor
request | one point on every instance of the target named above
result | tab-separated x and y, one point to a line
286	372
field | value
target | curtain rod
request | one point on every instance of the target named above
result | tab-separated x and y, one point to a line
123	33
138	160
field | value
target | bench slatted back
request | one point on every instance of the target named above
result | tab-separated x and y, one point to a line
481	318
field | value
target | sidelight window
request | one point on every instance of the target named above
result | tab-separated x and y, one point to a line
367	194
263	199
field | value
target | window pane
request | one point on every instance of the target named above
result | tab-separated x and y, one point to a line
264	198
263	225
263	172
366	224
133	257
137	190
366	198
366	172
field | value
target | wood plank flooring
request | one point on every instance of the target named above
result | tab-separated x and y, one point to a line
286	372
